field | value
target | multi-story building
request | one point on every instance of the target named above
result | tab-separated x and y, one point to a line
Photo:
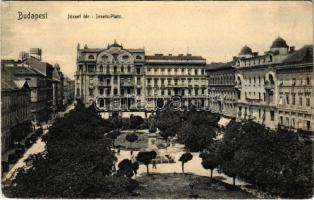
222	94
71	90
129	77
296	90
15	109
257	83
57	87
39	77
182	76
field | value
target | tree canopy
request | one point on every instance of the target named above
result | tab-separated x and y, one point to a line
77	162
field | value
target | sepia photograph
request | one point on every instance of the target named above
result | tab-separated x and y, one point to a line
157	100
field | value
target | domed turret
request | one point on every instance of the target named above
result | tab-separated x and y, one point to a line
279	45
246	52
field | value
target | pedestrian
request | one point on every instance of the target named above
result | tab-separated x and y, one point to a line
154	164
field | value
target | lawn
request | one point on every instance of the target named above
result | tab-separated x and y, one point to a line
173	186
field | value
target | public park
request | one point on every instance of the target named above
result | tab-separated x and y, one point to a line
170	154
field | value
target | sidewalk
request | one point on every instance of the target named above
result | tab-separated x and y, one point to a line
37	147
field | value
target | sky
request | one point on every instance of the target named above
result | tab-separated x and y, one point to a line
215	30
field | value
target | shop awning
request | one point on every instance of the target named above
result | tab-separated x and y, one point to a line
223	122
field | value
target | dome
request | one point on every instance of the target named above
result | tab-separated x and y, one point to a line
279	43
245	50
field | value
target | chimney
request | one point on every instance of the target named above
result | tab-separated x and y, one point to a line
23	55
36	53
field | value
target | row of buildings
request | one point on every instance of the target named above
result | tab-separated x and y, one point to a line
273	88
32	91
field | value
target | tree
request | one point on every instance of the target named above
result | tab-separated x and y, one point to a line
146	158
135	121
125	168
210	161
77	162
196	137
131	138
113	136
185	158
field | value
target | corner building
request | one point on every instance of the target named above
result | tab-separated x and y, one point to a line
129	77
257	84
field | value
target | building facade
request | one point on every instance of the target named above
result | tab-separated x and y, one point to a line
257	84
295	90
223	96
115	77
15	109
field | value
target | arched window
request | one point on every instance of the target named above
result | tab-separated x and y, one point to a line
122	69
271	79
91	57
101	68
101	103
115	69
129	68
270	58
138	57
239	81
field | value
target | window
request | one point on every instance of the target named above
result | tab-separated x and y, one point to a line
148	69
91	57
122	69
287	99
293	99
169	92
108	81
155	81
162	92
101	68
195	71
308	125
115	91
148	81
300	101
294	80
115	69
129	69
281	120
272	115
101	91
308	101
138	57
91	92
138	91
155	69
138	70
101	79
308	81
203	71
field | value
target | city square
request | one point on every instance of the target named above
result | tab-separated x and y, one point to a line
158	104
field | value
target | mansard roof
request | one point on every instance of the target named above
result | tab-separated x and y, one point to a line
219	65
303	55
173	57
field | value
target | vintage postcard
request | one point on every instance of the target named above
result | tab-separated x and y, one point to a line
157	99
